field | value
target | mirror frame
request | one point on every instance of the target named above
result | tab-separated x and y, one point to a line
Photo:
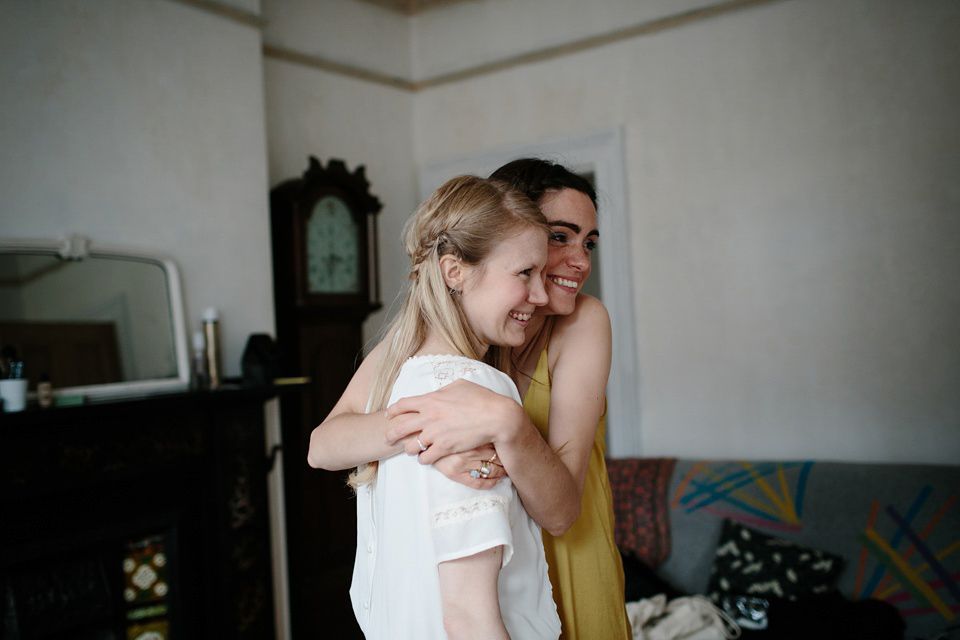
77	247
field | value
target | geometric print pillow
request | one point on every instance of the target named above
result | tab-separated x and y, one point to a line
751	563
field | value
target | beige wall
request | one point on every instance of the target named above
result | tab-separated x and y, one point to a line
791	176
790	173
140	122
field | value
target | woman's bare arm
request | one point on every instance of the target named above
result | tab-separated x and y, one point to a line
581	345
348	436
460	419
551	483
468	595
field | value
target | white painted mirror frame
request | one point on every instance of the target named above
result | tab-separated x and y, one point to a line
75	246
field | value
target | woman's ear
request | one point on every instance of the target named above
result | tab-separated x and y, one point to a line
453	272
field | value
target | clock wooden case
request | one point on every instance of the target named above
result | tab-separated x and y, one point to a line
325	273
334	236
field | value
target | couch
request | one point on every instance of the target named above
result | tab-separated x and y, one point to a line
794	531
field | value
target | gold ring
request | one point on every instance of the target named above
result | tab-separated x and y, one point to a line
494	458
484	469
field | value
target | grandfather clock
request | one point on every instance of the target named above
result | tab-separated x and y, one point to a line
325	285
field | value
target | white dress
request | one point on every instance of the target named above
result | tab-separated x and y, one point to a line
413	517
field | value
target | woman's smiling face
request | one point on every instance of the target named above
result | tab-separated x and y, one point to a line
573	237
501	295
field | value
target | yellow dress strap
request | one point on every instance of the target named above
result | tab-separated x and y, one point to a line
536	402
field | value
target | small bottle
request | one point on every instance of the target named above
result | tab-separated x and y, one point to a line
44	391
199	377
211	335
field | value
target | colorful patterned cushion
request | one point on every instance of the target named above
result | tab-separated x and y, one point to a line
748	562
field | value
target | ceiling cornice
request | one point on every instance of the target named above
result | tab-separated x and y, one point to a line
412	7
634	31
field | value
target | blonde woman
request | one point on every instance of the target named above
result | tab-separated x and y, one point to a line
553	448
437	558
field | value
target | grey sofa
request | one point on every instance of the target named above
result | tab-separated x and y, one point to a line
888	532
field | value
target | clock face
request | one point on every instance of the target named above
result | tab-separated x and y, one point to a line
333	253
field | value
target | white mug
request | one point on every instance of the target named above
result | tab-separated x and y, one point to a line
14	394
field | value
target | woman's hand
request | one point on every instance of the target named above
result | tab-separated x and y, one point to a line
458	418
458	467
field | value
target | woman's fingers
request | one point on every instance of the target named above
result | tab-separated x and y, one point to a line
468	469
403	405
402	426
433	453
410	444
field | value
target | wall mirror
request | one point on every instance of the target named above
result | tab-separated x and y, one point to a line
100	321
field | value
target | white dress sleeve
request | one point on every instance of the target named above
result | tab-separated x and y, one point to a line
465	521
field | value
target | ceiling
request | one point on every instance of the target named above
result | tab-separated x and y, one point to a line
412	7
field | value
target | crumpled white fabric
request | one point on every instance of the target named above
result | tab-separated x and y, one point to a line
685	618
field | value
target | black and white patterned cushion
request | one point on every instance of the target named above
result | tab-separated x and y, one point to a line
750	563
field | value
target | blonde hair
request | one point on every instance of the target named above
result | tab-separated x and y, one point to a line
467	217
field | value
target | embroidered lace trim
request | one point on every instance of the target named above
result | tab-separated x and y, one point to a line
449	367
446	371
469	509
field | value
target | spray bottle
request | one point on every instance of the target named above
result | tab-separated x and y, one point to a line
199	377
211	334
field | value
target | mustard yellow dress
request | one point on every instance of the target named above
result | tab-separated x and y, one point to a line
585	566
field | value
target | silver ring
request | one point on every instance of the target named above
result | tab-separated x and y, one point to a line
485	469
422	448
